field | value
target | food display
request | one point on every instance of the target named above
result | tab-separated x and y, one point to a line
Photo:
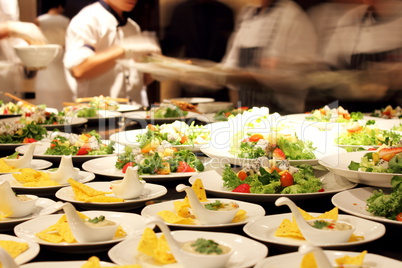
334	115
388	112
18	108
43	117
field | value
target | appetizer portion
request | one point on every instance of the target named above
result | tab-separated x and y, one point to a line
383	160
21	133
224	114
388	112
334	115
166	110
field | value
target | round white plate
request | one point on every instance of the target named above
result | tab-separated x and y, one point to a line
151	191
132	224
145	117
213	184
354	202
62	264
43	206
123	108
253	211
293	260
105	166
301	119
129	138
247	252
41	148
338	164
37	164
83	177
26	256
263	229
194	100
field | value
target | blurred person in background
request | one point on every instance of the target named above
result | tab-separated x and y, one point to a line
199	29
368	38
14	32
52	79
272	40
99	35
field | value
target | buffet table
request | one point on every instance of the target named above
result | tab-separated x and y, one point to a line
385	246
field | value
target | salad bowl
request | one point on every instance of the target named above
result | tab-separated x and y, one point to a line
338	164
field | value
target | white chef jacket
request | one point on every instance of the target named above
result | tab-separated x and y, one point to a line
285	33
355	36
96	28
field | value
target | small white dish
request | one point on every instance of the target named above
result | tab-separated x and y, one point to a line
130	186
204	215
23	161
131	223
247	252
26	256
15	206
353	201
43	206
37	56
85	233
338	164
254	211
263	229
65	171
315	235
151	191
185	257
213	184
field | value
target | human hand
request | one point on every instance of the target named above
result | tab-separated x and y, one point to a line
140	46
27	31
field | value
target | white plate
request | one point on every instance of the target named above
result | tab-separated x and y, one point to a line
213	184
354	202
36	164
62	264
83	177
43	206
67	125
338	164
41	148
26	256
105	166
253	211
151	191
129	138
123	108
301	119
194	100
263	229
247	252
145	118
132	224
293	260
103	115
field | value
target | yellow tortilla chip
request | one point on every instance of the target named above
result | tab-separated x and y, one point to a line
182	209
199	191
65	232
4	167
241	215
13	248
89	191
171	217
357	260
308	261
92	262
157	248
162	251
52	238
34	178
103	199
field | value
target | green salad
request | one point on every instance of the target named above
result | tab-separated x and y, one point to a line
387	205
385	160
167	110
21	133
281	179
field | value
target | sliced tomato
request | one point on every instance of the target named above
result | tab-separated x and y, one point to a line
399	217
242	188
84	150
184	167
286	179
255	137
129	164
28	140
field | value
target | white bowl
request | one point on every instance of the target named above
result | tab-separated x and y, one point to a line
37	56
213	107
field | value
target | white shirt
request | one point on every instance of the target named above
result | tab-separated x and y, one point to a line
93	29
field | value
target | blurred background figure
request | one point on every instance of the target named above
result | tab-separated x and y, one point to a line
52	80
199	29
368	42
99	35
273	39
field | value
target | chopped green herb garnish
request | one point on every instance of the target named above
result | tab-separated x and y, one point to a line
215	205
204	246
320	224
97	219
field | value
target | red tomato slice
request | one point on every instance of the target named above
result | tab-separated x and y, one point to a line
184	167
84	150
129	164
399	217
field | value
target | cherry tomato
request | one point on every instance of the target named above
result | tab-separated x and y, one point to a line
286	179
28	140
399	217
255	137
242	175
84	150
184	167
129	164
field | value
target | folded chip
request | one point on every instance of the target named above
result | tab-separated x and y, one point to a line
14	248
88	194
157	248
94	262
